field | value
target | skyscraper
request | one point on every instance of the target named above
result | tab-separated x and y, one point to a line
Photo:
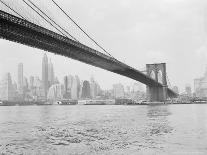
75	88
55	93
118	90
86	90
20	78
200	86
188	90
45	74
94	87
31	82
6	88
51	75
68	81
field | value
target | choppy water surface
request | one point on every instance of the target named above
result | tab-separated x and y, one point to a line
166	129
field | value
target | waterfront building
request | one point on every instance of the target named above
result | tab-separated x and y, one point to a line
45	81
65	84
188	90
31	82
107	94
80	91
7	92
86	90
51	75
38	90
75	88
55	93
93	88
15	86
79	85
200	86
20	78
118	90
68	82
25	84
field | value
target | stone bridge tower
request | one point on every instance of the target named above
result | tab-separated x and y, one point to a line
158	73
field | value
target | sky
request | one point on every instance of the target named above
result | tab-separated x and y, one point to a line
135	32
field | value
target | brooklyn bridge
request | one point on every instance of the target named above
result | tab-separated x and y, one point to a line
14	26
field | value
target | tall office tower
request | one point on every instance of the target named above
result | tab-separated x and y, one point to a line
25	84
55	93
38	88
51	75
65	89
188	90
200	86
31	82
20	78
45	74
75	88
70	81
6	88
92	88
118	90
80	91
14	86
79	85
86	90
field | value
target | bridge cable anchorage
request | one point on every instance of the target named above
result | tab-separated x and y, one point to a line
44	18
53	21
82	29
12	9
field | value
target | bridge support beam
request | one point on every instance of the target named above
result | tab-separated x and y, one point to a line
158	73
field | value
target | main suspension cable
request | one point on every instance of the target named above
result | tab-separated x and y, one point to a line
52	20
43	18
81	29
12	9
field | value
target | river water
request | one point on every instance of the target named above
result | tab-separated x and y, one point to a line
104	129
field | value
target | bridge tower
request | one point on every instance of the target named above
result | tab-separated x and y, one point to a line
158	73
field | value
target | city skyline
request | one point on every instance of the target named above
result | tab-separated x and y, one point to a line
48	88
155	34
50	67
30	78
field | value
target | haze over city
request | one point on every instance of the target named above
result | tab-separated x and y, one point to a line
134	32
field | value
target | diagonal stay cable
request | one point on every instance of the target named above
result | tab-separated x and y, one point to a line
52	20
81	29
12	9
43	18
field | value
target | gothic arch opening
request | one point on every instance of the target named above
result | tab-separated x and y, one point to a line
152	74
159	76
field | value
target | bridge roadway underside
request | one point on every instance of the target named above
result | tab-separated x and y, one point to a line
21	31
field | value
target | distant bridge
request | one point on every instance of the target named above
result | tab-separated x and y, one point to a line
24	32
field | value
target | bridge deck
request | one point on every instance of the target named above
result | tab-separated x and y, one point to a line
19	30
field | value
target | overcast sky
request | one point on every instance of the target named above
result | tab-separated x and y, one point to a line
136	32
